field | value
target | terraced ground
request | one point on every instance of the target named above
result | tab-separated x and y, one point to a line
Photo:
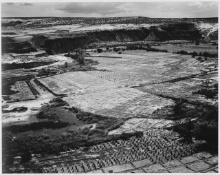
114	92
24	92
140	87
158	151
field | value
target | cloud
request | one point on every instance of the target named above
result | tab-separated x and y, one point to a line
101	8
26	4
166	9
20	4
9	3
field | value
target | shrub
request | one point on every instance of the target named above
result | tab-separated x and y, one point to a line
209	91
134	47
183	52
185	130
116	49
155	50
99	50
197	42
205	127
208	131
194	54
57	102
200	59
208	54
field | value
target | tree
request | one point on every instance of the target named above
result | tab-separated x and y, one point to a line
99	50
65	65
80	56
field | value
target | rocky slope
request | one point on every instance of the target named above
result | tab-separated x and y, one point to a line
60	42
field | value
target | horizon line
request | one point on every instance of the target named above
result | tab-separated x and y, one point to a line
102	17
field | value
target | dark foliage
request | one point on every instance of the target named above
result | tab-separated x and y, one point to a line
9	66
36	126
208	90
99	50
209	93
194	54
203	54
207	54
9	45
11	23
116	49
78	55
204	128
183	52
155	50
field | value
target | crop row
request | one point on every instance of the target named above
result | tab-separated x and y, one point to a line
157	149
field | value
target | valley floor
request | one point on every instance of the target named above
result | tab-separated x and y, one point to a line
142	88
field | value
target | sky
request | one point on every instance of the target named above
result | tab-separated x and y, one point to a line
166	9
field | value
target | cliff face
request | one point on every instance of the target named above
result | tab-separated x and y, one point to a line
119	35
179	31
11	45
61	43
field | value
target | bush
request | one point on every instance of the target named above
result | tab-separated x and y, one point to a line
197	42
155	50
78	55
205	127
200	59
194	54
209	93
208	90
208	131
185	130
57	102
99	50
208	54
116	49
134	47
183	52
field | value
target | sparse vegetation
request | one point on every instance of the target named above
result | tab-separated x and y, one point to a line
116	49
203	54
141	104
209	90
9	66
205	127
99	50
58	129
155	50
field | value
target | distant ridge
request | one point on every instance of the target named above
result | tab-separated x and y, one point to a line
108	17
51	21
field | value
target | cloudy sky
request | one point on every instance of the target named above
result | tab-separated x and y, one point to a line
105	9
